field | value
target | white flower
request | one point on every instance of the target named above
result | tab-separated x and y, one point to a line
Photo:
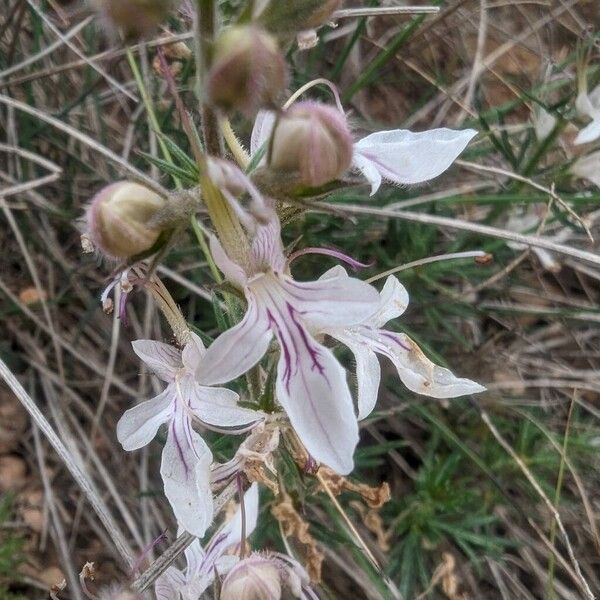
203	564
368	338
588	105
186	459
399	155
311	384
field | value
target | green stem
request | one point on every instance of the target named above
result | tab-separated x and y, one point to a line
205	250
150	110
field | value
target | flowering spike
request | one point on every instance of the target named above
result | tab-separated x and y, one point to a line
248	71
120	219
312	141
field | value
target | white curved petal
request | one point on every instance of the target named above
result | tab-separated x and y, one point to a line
584	106
369	170
368	372
312	388
236	350
219	406
393	302
337	271
588	167
169	585
233	528
232	271
194	556
138	425
589	133
163	359
405	157
193	352
337	301
185	469
416	371
261	132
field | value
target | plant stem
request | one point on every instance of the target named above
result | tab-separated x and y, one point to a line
205	31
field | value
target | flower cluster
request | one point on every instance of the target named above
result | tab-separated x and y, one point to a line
287	340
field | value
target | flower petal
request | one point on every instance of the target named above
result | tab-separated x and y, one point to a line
193	352
337	301
589	133
237	349
230	534
405	157
312	388
219	406
232	271
415	370
185	469
368	372
369	170
588	167
261	132
138	425
393	302
169	585
163	359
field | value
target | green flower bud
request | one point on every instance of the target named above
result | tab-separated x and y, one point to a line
248	71
279	16
311	141
121	219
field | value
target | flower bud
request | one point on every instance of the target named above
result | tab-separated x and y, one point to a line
118	593
136	18
255	578
312	140
120	219
291	17
248	71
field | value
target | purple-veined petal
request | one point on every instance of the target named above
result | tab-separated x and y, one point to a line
416	371
163	359
232	271
237	349
393	302
369	170
368	372
185	469
267	249
193	352
230	534
337	301
589	133
138	425
312	388
261	132
406	157
219	406
169	585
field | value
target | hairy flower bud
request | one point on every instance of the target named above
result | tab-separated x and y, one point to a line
135	18
118	593
121	219
255	578
248	71
313	141
291	17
